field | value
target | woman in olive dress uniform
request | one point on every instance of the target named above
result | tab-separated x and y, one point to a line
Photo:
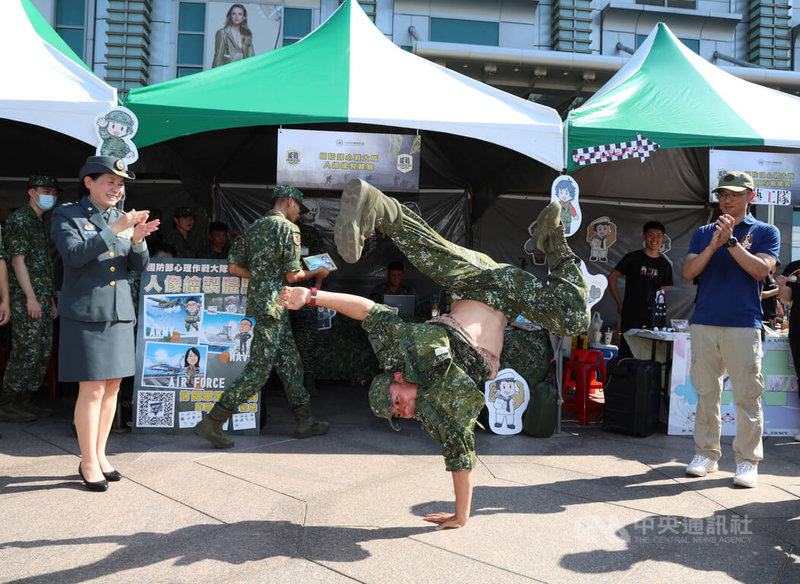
98	243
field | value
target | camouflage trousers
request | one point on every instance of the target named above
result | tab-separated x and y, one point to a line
31	345
272	346
304	328
559	304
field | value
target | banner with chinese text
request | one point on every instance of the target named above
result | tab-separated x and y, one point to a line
774	174
193	341
328	160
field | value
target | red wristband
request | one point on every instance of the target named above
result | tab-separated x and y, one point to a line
312	301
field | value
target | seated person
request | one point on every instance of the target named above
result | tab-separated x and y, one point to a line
394	284
217	241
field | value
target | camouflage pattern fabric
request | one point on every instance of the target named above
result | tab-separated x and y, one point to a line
269	248
448	399
559	304
31	339
344	353
3	254
25	234
529	353
304	321
183	248
273	345
379	291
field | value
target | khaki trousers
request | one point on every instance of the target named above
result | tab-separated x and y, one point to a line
737	350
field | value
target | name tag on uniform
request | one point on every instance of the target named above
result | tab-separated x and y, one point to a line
440	351
89	230
127	234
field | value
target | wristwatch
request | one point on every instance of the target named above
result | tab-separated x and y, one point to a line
732	242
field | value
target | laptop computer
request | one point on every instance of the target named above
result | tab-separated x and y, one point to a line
405	303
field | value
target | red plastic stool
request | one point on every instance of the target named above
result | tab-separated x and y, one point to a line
598	380
578	378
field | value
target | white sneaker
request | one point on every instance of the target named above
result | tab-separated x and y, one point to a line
701	466
746	475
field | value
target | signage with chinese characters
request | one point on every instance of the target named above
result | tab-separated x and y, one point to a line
328	160
193	341
774	174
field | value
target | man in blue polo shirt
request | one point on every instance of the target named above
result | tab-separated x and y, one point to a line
731	257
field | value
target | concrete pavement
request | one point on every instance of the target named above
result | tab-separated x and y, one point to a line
582	506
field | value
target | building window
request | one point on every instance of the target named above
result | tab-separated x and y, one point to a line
469	32
296	24
369	7
70	23
191	24
686	4
692	44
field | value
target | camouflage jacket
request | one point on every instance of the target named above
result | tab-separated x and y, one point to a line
448	400
270	248
26	235
382	289
183	248
3	254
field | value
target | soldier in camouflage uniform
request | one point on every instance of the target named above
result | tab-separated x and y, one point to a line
5	315
304	321
395	272
179	240
268	253
32	304
435	371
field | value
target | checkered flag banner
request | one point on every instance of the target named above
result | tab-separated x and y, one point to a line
640	148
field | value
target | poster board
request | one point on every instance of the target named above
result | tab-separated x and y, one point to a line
779	400
193	341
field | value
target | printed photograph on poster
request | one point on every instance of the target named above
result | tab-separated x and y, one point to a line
228	332
236	31
233	303
155	409
174	365
322	260
173	317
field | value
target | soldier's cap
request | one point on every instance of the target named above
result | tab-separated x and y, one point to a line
105	165
183	212
736	181
380	399
292	193
43	180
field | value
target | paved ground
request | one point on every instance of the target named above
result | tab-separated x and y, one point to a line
582	506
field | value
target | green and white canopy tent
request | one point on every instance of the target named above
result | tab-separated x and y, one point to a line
670	95
44	82
345	71
49	100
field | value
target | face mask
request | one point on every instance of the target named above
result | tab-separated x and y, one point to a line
46	202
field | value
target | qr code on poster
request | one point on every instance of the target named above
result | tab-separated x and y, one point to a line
156	409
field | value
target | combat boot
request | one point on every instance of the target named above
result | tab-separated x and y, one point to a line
9	411
363	210
25	403
548	236
305	424
210	427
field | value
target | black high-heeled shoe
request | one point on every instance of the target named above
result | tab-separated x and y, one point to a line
98	486
112	476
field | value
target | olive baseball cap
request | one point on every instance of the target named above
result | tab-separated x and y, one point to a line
43	180
380	399
105	165
292	193
735	181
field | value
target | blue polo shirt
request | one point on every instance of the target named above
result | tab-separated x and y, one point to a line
727	295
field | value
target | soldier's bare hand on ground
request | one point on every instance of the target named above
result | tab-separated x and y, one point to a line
445	520
34	309
294	298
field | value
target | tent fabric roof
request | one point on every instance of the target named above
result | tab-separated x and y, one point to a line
669	94
345	71
47	88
